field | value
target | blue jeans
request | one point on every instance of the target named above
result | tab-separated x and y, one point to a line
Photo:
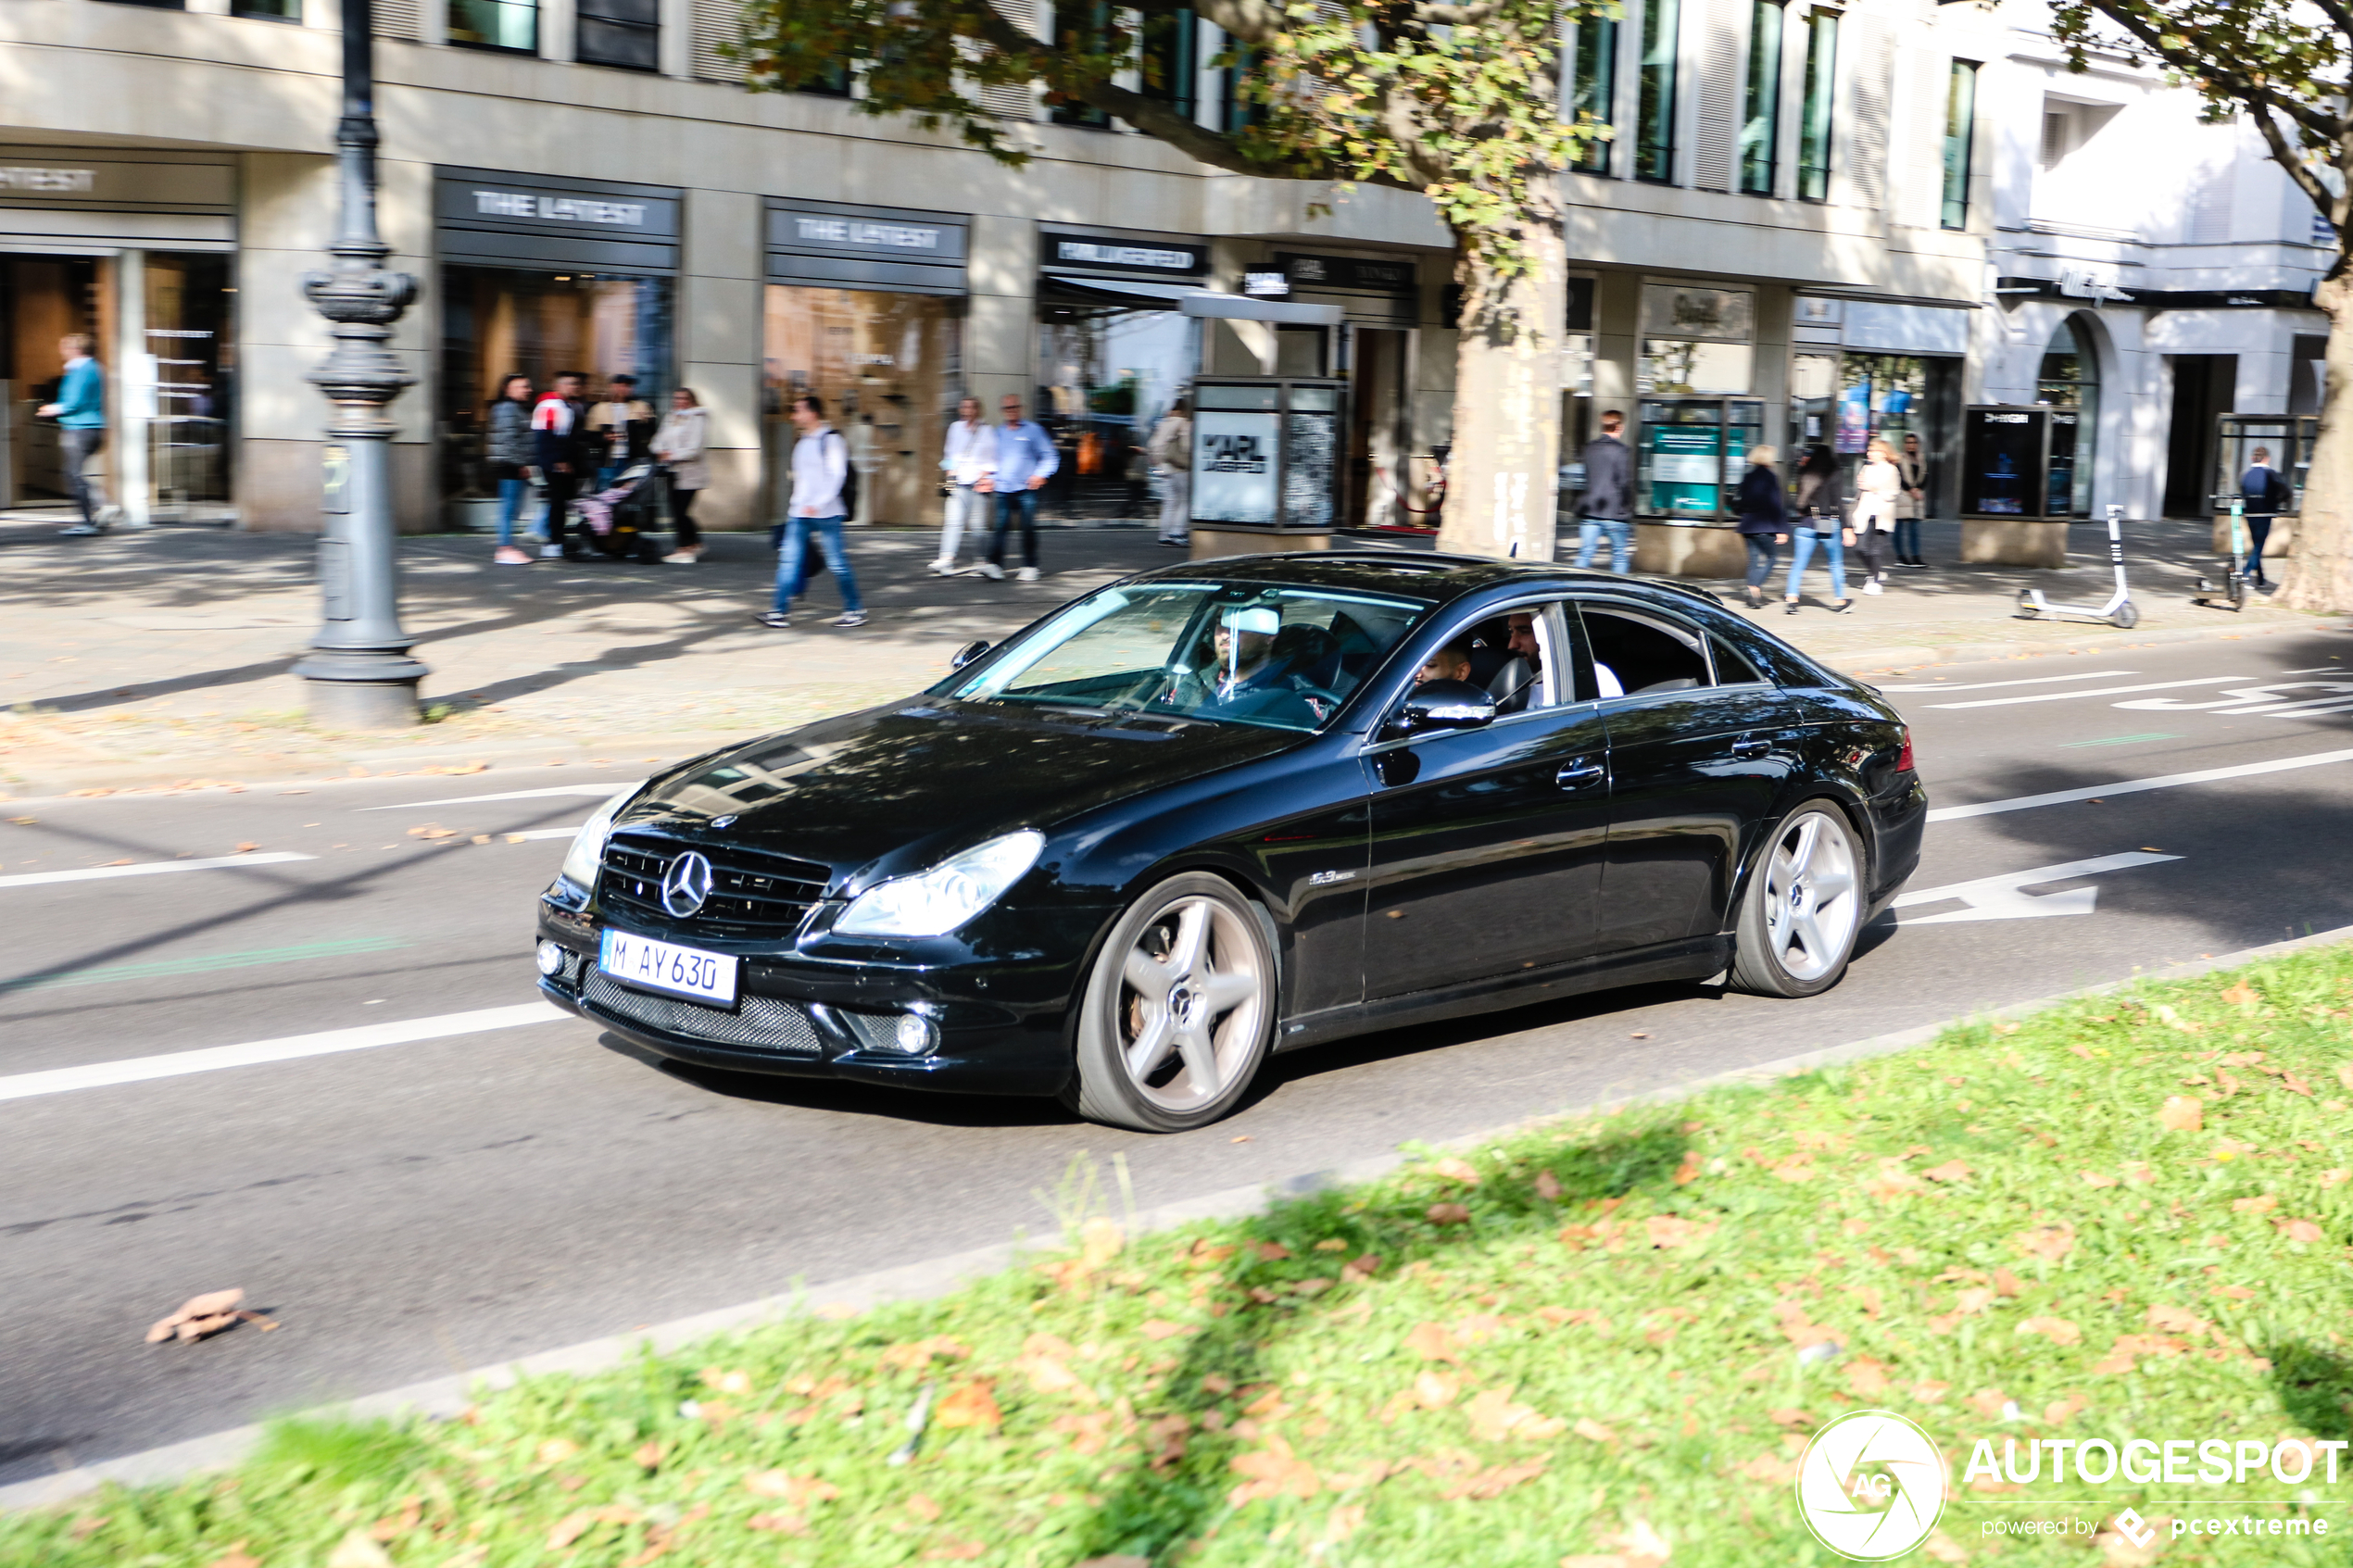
511	498
1621	542
1908	538
2259	531
796	549
1802	540
1009	504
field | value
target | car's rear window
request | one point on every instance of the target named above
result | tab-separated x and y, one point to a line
1243	653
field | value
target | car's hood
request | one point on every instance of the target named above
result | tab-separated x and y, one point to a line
896	787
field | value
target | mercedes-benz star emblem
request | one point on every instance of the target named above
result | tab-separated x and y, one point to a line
685	884
726	821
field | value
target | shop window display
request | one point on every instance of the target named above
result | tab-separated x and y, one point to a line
1108	370
191	351
889	369
1697	342
1847	401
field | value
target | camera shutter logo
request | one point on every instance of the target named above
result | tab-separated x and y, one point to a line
685	884
1870	1485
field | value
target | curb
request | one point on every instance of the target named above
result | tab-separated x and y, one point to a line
445	1398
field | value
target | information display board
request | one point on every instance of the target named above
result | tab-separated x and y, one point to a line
1266	453
2006	463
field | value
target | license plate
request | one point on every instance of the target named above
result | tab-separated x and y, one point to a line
666	967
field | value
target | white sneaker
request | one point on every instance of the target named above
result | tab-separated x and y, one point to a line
1873	587
551	552
682	558
989	570
1029	574
943	567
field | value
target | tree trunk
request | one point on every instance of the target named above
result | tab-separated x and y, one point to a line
1503	472
2320	575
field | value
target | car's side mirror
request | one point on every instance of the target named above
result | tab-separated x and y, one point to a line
966	654
1443	705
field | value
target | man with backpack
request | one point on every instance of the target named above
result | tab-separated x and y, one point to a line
820	503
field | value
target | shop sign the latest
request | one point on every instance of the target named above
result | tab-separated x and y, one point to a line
485	217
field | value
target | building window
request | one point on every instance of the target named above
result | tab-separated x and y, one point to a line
1960	116
1761	110
268	10
1169	59
1814	127
1240	113
495	24
619	32
1080	27
1654	105
1592	88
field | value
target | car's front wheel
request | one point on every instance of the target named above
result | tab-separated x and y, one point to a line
1178	1010
1803	906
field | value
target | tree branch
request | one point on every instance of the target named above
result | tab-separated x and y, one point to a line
2287	157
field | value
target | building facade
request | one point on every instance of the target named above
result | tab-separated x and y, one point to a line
1784	238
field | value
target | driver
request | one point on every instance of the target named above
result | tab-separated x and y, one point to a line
1515	683
1247	677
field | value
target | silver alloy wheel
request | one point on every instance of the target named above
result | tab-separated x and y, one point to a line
1192	1003
1812	900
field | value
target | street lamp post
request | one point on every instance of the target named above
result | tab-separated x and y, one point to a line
358	670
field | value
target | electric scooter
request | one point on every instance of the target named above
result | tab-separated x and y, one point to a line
2233	589
2118	608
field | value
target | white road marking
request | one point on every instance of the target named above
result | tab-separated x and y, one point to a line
174	1064
153	868
601	791
1989	686
2133	786
2000	897
2267	700
2096	691
550	833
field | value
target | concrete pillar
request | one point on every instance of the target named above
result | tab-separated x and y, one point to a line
719	319
1001	319
134	392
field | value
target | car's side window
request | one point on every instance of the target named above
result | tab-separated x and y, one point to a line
1733	668
1639	655
1526	658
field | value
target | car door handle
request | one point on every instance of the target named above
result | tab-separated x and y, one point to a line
1749	745
1578	774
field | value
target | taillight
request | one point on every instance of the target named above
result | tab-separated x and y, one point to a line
1904	758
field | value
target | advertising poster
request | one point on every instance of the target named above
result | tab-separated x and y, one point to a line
1854	419
2002	462
1234	465
1686	462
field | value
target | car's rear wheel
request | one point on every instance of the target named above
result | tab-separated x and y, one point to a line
1178	1010
1803	906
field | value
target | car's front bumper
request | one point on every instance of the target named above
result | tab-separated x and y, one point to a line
997	1028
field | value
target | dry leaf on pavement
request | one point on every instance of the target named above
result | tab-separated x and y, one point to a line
199	1316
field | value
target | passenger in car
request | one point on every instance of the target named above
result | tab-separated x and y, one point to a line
1515	684
1452	663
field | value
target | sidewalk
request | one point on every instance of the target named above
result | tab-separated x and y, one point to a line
155	658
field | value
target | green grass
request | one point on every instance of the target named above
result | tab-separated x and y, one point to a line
1584	1339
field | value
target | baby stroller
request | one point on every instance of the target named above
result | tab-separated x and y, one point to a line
618	522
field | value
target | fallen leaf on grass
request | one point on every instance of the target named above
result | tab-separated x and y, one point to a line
1943	1549
954	1552
235	1556
1449	1214
1493	1482
2336	1178
2299	1230
917	1354
578	1522
358	1549
555	1451
1668	1230
1273	1471
2094	1180
2050	1241
2262	1205
1493	1417
796	1491
1867	1378
1548	1187
2181	1113
1930	1393
969	1404
1593	1431
1433	1342
2242	995
787	1523
1435	1390
2058	1330
1455	1171
1950	1171
199	1316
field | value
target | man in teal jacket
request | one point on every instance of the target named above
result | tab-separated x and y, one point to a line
81	413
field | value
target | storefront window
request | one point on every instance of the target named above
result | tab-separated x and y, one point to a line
1847	401
2071	379
190	348
1697	341
42	299
498	321
1691	452
889	369
1108	369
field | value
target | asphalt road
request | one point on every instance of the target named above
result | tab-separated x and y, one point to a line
413	1209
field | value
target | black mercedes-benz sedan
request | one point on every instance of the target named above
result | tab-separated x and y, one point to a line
1239	806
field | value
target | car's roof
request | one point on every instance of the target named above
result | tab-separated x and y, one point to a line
1414	574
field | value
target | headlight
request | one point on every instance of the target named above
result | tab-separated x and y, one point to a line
587	851
936	902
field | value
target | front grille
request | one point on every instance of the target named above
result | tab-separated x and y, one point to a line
768	1023
752	893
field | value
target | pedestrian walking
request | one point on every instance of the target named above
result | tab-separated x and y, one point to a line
1911	503
679	446
621	430
820	469
2266	492
1609	475
965	460
509	454
1025	459
559	450
1763	514
1877	489
81	413
1819	523
1171	451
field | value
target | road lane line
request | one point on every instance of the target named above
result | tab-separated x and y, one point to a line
2097	691
602	792
1989	686
2133	786
174	1064
2004	897
153	868
572	831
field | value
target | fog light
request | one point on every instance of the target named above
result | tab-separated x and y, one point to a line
551	957
916	1035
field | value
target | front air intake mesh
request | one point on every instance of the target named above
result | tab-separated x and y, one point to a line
768	1023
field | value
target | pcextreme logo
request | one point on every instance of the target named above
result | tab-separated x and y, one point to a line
1870	1485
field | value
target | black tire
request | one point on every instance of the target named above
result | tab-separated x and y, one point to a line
1202	1019
1778	909
2127	615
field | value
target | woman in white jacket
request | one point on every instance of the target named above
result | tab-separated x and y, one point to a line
680	445
1876	489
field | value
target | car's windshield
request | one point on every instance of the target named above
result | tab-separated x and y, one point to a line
1244	653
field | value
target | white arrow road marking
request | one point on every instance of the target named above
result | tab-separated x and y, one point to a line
174	1064
550	833
1989	686
2270	700
602	791
2000	898
2133	786
2096	691
153	868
